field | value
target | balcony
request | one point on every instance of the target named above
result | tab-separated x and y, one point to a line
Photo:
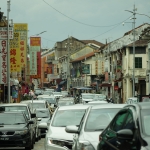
138	72
50	59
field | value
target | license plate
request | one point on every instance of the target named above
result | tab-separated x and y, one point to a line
4	139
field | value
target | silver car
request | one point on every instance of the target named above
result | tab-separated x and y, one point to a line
56	137
86	136
44	116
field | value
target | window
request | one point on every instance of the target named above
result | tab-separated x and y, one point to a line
138	62
138	50
119	121
129	123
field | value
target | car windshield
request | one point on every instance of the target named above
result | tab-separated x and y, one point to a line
98	119
11	119
50	100
38	105
15	108
64	118
99	97
65	103
145	114
42	113
88	96
57	93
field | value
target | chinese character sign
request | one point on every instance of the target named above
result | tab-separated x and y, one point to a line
3	61
35	56
15	53
33	61
22	29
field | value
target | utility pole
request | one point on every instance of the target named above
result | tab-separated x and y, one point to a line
133	76
134	51
8	53
68	65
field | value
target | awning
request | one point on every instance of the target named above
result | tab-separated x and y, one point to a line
62	82
105	85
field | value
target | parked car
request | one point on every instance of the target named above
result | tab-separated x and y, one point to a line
65	101
15	130
94	122
129	129
22	108
44	115
57	137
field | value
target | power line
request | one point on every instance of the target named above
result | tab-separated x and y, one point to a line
77	20
110	29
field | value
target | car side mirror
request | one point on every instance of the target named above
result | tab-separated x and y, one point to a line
31	122
33	115
43	126
71	129
125	134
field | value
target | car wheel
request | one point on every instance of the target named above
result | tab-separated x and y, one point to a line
28	148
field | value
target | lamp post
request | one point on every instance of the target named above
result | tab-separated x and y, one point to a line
8	52
133	76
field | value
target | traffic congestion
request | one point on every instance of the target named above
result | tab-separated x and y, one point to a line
57	121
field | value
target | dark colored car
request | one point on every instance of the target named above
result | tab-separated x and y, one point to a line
129	129
15	130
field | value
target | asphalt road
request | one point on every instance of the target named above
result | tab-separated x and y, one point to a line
39	145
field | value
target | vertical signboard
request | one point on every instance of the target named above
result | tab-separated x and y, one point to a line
15	53
3	61
35	57
22	29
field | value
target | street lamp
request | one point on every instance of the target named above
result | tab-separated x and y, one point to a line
133	76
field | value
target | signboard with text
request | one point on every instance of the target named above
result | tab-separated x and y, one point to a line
3	33
35	57
3	62
22	29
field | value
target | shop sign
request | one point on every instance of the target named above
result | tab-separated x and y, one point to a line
116	87
86	69
3	61
3	33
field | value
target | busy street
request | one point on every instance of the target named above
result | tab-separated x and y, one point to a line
74	75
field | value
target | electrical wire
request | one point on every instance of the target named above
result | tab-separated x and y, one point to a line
77	20
110	29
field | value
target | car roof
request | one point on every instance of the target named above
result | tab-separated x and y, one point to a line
14	104
109	106
10	112
141	105
41	109
73	107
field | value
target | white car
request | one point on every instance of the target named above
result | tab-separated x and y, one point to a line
86	136
87	97
56	137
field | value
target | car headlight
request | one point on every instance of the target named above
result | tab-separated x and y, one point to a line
56	142
85	145
21	132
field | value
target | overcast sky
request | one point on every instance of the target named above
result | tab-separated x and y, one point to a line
82	19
